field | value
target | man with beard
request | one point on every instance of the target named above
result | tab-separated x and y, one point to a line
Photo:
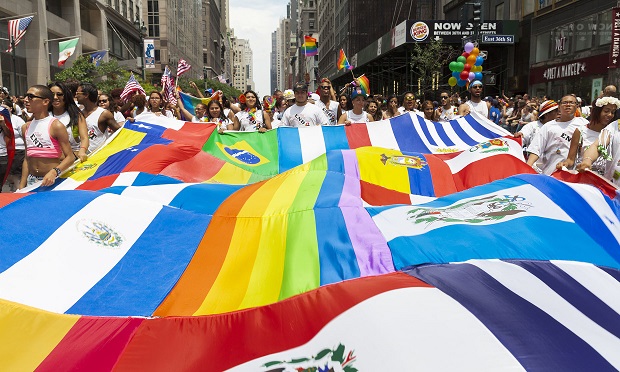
329	106
475	102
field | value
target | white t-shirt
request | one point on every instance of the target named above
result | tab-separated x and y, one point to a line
17	123
119	117
65	119
480	107
357	119
446	114
528	132
331	112
249	124
552	142
307	115
612	167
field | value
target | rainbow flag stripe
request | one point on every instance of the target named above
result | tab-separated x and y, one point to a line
343	62
310	47
364	84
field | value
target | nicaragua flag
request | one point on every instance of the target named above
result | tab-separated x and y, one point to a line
522	217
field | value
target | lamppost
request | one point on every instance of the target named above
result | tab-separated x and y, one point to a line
139	25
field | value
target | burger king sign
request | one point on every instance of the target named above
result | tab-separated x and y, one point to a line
419	31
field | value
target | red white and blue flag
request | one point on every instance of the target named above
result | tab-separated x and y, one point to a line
132	87
168	86
182	67
17	30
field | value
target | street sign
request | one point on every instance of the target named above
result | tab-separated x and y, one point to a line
497	39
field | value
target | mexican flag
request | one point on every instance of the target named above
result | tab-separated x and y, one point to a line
66	49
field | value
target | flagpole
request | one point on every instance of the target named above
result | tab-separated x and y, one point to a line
14	64
10	18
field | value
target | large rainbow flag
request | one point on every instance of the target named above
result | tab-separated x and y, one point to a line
331	248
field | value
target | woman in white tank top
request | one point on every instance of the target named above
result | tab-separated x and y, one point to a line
357	115
67	112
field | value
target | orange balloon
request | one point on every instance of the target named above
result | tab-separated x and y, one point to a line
471	59
475	52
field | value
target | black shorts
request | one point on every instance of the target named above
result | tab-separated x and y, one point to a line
18	162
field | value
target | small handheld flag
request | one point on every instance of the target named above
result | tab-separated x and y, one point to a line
182	67
132	87
343	62
310	48
364	84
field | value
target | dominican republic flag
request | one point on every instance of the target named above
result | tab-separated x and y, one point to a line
17	30
182	67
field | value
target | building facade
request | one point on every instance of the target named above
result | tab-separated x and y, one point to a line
572	46
100	25
243	78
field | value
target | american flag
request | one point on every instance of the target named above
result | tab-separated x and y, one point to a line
131	87
17	30
183	67
168	86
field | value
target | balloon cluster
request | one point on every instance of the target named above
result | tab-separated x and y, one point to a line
467	67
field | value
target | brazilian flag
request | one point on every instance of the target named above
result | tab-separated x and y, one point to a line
253	151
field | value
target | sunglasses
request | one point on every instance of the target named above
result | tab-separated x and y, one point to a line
59	94
444	97
31	96
325	87
409	98
102	101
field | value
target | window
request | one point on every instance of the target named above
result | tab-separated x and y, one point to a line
131	15
583	33
528	7
544	3
562	37
603	29
499	11
54	7
543	42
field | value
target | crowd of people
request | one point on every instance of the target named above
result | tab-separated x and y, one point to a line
63	122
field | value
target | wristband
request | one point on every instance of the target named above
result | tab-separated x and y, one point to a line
589	158
58	172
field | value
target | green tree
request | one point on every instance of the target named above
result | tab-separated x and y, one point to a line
213	84
428	61
106	76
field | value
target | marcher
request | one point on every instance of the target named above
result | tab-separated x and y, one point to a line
303	114
475	102
357	114
329	106
67	112
46	140
100	122
251	117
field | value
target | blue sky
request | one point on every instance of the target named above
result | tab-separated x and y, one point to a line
255	21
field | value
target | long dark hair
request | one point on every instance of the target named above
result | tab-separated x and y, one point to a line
216	102
70	107
257	105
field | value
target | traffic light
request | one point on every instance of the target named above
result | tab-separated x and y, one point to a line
477	13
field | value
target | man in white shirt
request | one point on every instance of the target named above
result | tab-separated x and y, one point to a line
445	110
302	114
326	104
552	142
475	102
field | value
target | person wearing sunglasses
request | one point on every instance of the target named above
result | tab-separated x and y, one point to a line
100	122
552	142
409	103
67	112
46	139
445	111
107	102
327	104
475	102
